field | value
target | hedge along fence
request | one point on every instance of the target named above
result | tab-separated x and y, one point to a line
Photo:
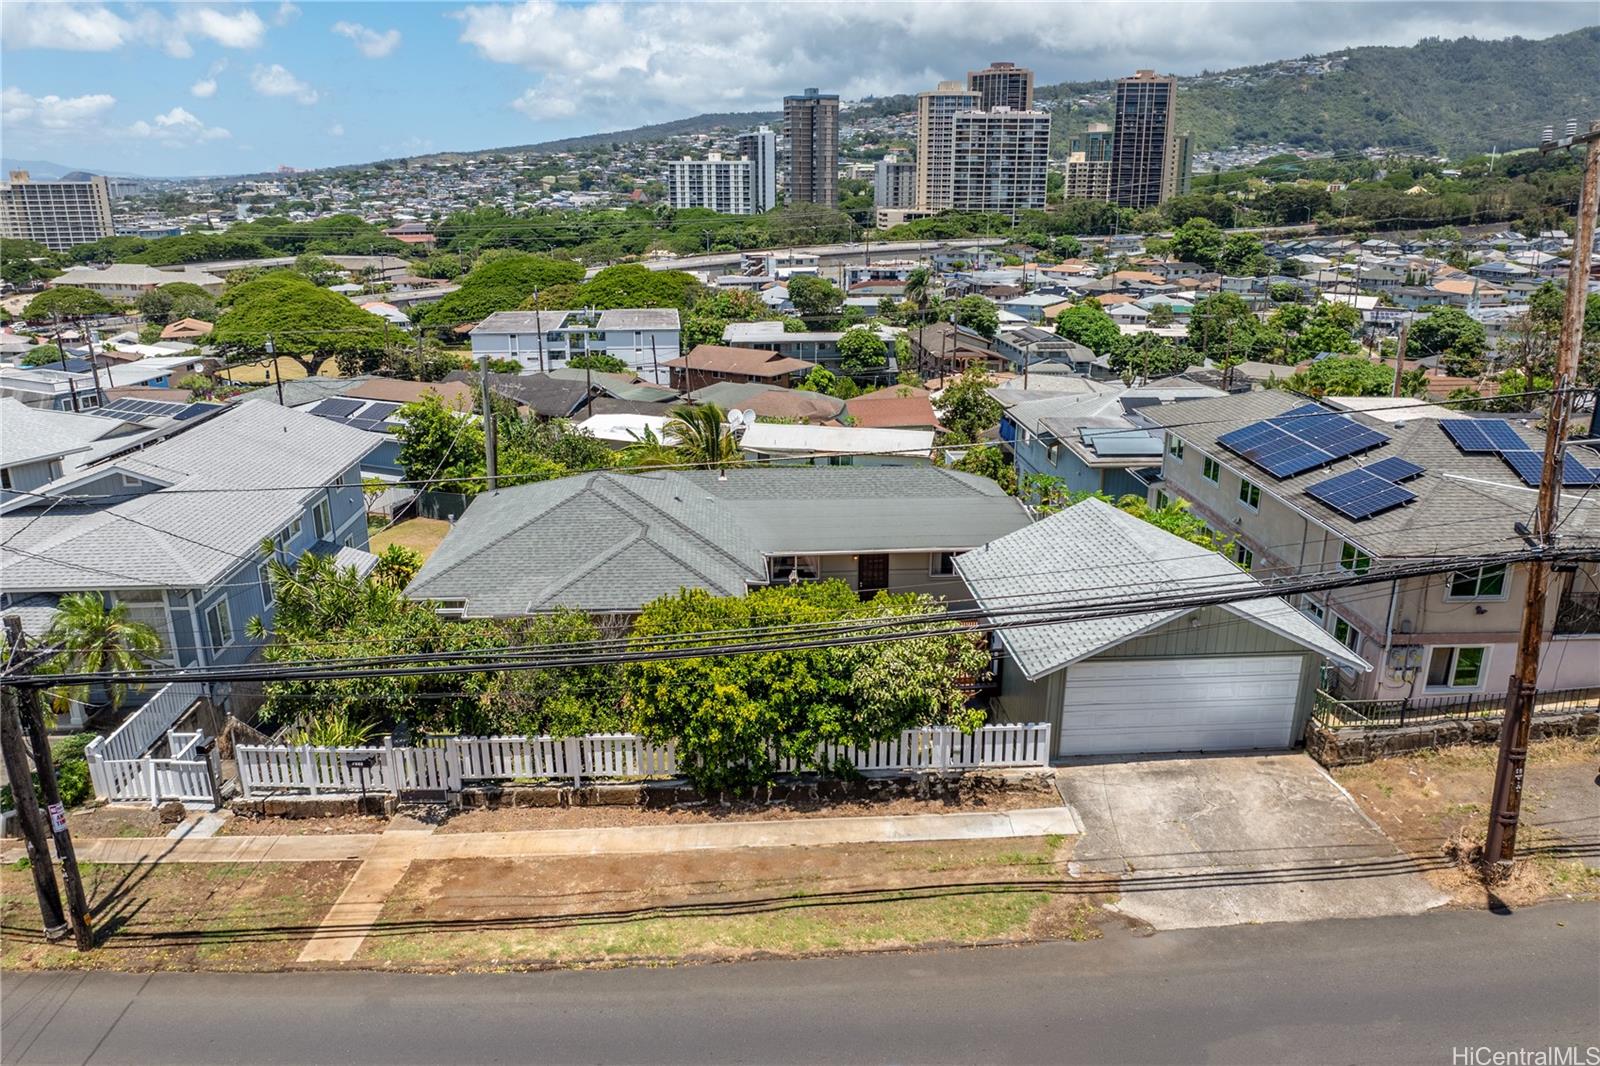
444	766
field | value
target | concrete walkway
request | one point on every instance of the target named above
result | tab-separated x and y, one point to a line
557	843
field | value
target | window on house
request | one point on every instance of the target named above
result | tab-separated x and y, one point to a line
1175	447
1312	608
264	572
1211	470
1456	667
450	608
1346	634
1052	453
291	533
148	606
1353	559
322	519
1244	556
1162	499
1249	494
796	567
219	625
1484	583
942	564
5	479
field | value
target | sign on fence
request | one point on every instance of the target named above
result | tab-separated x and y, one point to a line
443	767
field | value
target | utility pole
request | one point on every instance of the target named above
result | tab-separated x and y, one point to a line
32	715
1400	358
94	365
27	802
489	428
1499	850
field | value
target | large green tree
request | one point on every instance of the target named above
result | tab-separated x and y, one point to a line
68	303
91	636
301	322
1148	356
1455	337
861	351
1341	376
1089	325
1198	240
814	298
502	283
965	407
979	314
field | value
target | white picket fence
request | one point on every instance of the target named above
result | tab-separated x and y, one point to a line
185	775
444	766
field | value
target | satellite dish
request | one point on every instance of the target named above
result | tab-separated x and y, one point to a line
749	417
735	419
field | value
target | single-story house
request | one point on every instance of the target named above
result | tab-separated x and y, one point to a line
1214	678
785	444
608	542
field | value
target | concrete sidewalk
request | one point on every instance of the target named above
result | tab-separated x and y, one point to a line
557	843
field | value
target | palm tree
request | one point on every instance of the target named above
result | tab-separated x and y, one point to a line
919	290
91	637
702	438
648	451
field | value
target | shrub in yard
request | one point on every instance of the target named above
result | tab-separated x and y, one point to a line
72	773
731	713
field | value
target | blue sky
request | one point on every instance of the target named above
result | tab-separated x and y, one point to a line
218	88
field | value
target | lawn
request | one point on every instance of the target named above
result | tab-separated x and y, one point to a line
722	905
421	535
212	916
1428	800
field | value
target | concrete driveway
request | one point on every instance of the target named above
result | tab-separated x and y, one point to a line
1230	840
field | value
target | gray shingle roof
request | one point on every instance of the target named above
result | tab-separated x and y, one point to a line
264	454
1465	504
32	434
612	542
1088	552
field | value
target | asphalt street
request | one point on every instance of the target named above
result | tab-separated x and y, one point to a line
1391	990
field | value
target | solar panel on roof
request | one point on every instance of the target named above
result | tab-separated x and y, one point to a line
1575	472
1395	469
1302	438
1503	436
336	408
1359	494
195	410
1528	464
1468	435
371	425
380	410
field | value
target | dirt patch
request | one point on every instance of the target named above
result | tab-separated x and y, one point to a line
1435	805
511	818
234	916
238	826
728	904
119	822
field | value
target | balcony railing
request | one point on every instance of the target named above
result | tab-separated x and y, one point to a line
1335	713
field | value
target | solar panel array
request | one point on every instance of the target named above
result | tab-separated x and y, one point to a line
130	409
1301	439
1395	469
1359	494
1496	436
368	415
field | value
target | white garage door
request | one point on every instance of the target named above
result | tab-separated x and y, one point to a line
1156	705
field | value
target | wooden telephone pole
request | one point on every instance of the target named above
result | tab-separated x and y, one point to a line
1499	850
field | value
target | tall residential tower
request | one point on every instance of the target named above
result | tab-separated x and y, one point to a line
760	146
811	127
1144	152
936	131
1002	85
56	214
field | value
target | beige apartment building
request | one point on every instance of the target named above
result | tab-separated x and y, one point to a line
56	214
936	137
1088	170
1000	161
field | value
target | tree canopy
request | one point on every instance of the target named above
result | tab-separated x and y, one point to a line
1455	337
67	302
861	351
965	407
304	323
978	313
1089	325
501	284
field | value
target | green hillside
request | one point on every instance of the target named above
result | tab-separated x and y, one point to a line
1456	97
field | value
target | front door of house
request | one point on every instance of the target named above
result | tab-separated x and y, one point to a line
872	574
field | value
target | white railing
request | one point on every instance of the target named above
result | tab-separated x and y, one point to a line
442	767
185	776
145	726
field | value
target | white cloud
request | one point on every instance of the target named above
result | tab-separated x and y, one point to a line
176	128
372	43
206	87
19	109
625	63
97	28
286	13
336	130
278	81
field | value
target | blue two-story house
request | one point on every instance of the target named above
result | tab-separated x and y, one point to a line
175	530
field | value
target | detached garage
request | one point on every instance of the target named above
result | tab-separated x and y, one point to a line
1225	677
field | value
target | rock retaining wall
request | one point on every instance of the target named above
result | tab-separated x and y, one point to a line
1347	747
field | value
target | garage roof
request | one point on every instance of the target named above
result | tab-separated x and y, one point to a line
1092	551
